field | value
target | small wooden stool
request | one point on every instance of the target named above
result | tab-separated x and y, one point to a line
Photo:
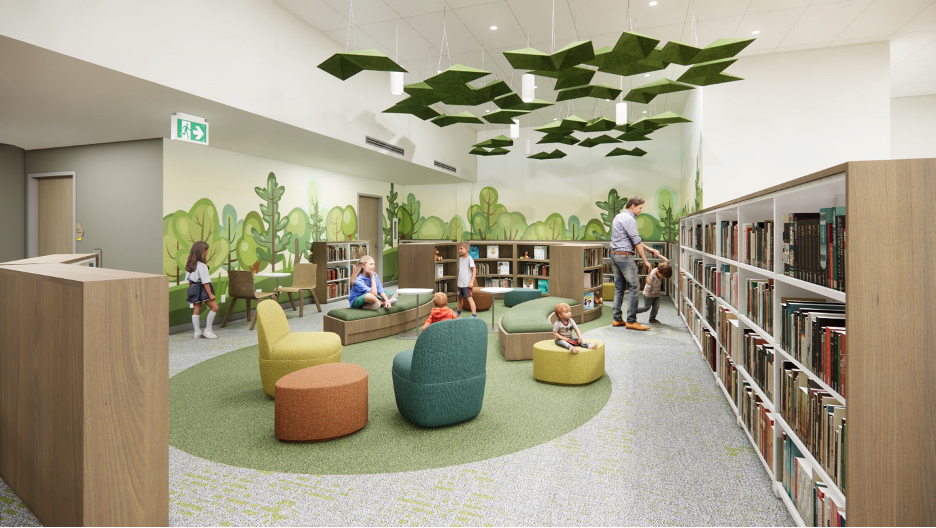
321	402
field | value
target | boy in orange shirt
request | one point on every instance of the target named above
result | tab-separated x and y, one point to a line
441	311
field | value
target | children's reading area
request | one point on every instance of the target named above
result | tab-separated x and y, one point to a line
467	263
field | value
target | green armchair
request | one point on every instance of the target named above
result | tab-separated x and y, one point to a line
441	381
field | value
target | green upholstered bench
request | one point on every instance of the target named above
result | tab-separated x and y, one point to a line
354	325
525	324
519	295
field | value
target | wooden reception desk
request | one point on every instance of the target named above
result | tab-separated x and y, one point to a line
84	393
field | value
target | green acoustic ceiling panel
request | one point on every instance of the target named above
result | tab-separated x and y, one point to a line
635	45
633	136
608	61
492	90
528	59
573	122
478	151
457	74
649	91
643	126
708	73
598	91
422	112
420	90
554	128
504	117
459	94
668	118
569	77
722	49
452	85
718	78
535	104
625	152
496	141
598	140
556	154
418	100
599	124
345	65
565	139
533	59
679	53
461	117
498	151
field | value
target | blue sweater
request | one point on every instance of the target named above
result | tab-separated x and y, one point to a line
362	284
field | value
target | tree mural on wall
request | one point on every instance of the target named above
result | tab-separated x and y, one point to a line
408	218
666	204
232	229
272	244
482	217
316	220
172	247
299	231
614	205
201	223
247	246
392	207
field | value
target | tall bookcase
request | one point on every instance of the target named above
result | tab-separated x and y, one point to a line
579	275
785	400
334	261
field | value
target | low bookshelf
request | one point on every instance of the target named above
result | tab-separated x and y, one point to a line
334	262
762	286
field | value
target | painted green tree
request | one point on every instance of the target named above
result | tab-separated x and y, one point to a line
489	209
392	207
172	246
316	220
333	232
299	230
232	229
697	206
509	226
408	218
614	205
649	227
431	228
455	229
595	230
201	223
575	231
272	244
666	204
248	249
349	223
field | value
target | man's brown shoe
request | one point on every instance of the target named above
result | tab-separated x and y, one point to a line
636	326
618	323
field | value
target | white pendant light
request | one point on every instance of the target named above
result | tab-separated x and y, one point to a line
527	87
620	113
396	83
515	129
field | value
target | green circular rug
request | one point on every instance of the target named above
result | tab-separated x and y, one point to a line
218	411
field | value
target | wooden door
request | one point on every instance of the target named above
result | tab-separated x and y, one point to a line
56	216
369	228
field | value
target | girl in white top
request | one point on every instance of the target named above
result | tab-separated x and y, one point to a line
200	289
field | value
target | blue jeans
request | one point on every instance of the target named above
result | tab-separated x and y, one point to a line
652	304
625	273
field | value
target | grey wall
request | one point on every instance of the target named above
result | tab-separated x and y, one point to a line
118	198
12	203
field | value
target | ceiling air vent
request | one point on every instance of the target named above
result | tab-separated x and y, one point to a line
441	165
383	144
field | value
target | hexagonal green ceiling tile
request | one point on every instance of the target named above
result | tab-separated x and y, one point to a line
647	92
624	152
556	154
598	91
635	45
708	73
565	139
574	122
722	49
533	59
679	53
422	112
496	141
461	117
346	64
503	117
598	140
599	124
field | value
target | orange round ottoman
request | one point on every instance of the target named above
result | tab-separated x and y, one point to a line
321	402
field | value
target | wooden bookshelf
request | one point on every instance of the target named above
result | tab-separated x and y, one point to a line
340	258
572	270
891	455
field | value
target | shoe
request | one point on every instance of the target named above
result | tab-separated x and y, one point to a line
636	326
209	334
654	321
393	300
618	323
198	334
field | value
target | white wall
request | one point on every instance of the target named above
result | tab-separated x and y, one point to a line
249	54
794	114
913	127
691	145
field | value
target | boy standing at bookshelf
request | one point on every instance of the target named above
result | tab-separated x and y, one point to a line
467	272
651	290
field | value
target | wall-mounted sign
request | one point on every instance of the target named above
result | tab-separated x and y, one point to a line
189	128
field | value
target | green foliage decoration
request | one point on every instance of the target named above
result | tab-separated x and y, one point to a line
509	226
247	246
272	244
431	228
298	228
349	223
392	207
611	207
333	232
201	223
231	230
172	247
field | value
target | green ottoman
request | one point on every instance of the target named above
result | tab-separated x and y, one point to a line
519	295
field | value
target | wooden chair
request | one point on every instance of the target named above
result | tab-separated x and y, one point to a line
303	279
241	286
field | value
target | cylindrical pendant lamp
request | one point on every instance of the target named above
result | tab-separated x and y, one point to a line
396	83
527	87
515	129
621	113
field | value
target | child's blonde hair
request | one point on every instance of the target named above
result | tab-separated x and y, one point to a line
464	244
359	267
562	307
440	299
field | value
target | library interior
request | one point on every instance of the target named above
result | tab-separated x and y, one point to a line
567	262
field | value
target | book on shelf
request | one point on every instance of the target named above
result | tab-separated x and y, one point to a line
814	247
493	251
590	257
535	269
813	333
543	286
758	244
528	283
539	252
729	239
473	252
358	251
503	268
710	238
439	271
442	286
589	300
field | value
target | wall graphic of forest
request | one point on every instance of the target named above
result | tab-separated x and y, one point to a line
270	239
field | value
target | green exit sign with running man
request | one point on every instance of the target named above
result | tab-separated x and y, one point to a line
189	128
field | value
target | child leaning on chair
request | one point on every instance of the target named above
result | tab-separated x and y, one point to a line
564	327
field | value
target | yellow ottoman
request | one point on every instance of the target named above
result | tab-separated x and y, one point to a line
554	364
607	293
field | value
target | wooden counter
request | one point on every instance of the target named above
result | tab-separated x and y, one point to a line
84	393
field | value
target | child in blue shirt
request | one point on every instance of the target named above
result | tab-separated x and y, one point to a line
366	290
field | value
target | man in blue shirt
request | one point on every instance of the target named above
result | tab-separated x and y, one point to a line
625	241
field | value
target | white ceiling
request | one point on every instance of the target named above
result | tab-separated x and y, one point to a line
784	25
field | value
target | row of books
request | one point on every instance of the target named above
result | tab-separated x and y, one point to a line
501	268
337	289
757	358
540	284
758	244
758	420
336	273
538	253
722	280
729	375
534	269
814	247
726	324
729	239
760	303
709	239
344	253
592	257
817	418
710	311
443	286
806	489
498	283
813	332
691	236
592	279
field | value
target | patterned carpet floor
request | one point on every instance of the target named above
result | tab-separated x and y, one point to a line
665	450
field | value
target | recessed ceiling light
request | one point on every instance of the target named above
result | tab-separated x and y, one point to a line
536	87
646	75
493	28
756	32
555	119
645	111
486	111
653	3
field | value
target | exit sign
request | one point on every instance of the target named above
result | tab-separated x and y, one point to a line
189	128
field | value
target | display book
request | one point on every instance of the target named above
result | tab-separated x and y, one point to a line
334	263
799	429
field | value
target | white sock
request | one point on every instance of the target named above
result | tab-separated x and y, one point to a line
210	320
196	323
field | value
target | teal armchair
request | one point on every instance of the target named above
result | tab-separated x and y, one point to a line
441	381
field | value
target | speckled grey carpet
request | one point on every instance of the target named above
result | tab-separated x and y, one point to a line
665	450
